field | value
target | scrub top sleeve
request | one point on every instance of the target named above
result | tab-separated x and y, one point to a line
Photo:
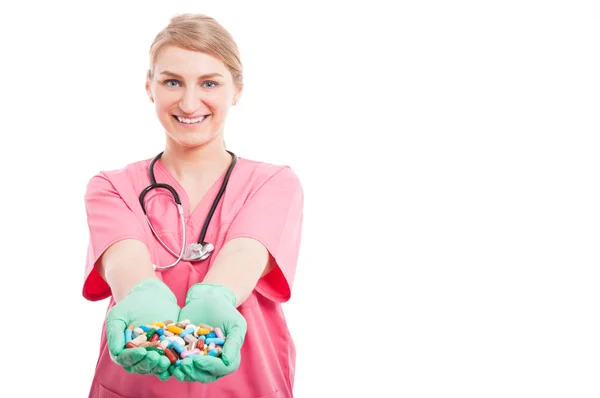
109	220
273	216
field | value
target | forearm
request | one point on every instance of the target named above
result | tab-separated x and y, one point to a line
240	265
123	265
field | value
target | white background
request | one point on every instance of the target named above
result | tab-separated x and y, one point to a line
450	160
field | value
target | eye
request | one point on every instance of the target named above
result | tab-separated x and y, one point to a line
210	83
171	83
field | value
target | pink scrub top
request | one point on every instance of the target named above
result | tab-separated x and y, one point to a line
262	201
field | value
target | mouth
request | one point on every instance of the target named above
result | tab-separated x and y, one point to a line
190	121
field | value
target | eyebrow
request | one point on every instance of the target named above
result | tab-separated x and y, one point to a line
205	76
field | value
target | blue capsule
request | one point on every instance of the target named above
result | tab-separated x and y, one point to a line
185	332
177	347
160	332
128	335
211	335
215	340
214	352
145	328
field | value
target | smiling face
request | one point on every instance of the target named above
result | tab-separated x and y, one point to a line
192	93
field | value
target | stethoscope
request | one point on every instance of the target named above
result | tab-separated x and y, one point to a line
200	250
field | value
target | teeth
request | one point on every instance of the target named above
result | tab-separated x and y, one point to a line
190	121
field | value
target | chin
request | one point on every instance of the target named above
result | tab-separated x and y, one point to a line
192	140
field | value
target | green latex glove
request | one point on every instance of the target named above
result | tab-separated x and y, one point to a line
213	305
149	301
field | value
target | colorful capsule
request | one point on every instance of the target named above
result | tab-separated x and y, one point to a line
189	352
189	339
214	340
171	355
213	353
165	344
177	347
176	340
185	332
174	329
140	339
128	337
202	331
205	326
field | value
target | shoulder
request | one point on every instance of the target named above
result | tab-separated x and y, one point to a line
117	179
259	174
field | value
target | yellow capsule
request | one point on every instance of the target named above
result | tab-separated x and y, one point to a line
204	325
158	324
203	331
174	329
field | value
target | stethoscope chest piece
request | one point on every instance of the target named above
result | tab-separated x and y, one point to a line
198	251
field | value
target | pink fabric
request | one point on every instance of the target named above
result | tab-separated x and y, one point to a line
262	201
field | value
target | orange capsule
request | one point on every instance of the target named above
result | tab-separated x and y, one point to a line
130	345
172	357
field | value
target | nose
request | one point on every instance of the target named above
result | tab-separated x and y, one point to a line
190	100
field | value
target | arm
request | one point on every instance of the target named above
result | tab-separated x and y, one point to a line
239	266
117	257
123	265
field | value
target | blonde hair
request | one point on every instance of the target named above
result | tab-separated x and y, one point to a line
198	32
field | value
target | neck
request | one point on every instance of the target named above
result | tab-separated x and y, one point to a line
195	163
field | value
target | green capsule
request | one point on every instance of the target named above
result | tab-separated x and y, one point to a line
150	333
160	351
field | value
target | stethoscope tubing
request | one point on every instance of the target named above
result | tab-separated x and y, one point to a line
177	200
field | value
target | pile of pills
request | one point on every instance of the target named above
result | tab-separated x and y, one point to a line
176	340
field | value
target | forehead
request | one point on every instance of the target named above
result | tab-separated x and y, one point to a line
186	62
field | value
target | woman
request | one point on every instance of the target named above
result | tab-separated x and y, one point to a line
240	220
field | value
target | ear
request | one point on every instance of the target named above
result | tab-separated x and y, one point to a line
148	89
237	95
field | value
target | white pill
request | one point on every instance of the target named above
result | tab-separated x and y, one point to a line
164	343
189	338
140	339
